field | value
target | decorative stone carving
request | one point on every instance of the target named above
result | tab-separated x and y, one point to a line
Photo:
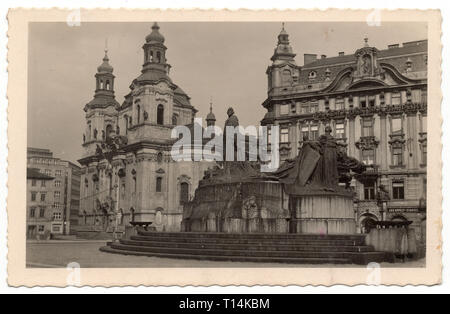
367	142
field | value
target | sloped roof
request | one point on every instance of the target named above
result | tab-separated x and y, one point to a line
33	173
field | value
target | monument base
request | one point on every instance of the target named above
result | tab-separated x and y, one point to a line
323	214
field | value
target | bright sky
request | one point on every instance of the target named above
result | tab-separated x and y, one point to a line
225	61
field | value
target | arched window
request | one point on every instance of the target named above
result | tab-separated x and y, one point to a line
89	132
103	135
107	84
109	130
101	84
95	133
160	115
158	184
132	214
184	192
151	56
138	108
158	57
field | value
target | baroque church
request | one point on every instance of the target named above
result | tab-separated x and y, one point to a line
376	104
127	165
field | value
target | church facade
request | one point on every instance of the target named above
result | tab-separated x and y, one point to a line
128	172
376	104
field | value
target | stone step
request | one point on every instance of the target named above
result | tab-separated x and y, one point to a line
221	257
138	241
254	241
230	252
258	236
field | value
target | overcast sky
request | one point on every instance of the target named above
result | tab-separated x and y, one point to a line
225	61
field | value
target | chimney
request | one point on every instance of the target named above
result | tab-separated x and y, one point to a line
341	53
323	56
309	58
393	46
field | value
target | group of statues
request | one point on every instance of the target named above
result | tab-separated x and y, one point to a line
319	164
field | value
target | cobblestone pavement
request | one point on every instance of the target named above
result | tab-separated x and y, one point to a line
87	255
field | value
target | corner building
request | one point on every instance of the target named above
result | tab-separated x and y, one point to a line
376	103
139	180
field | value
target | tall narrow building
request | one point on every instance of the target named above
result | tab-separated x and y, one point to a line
128	168
376	103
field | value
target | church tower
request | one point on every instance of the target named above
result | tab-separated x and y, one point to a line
210	118
283	71
101	112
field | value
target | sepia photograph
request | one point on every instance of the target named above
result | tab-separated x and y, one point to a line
253	144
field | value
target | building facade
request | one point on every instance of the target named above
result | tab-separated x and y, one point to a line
53	193
376	103
128	171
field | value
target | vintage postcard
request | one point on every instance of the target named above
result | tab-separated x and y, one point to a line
184	147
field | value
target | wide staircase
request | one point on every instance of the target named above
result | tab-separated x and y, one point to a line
262	248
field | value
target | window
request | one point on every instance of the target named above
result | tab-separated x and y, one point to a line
57	216
33	182
284	135
367	125
41	228
158	184
397	126
424	154
371	101
363	102
160	115
397	156
293	108
33	196
42	197
43	183
138	108
58	173
314	132
340	104
57	195
269	135
58	183
184	192
423	96
396	99
305	133
42	212
48	172
398	190
284	109
340	130
305	108
312	75
314	107
369	191
32	212
368	157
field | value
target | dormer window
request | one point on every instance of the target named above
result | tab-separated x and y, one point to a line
312	75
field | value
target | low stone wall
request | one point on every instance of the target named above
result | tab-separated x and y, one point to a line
400	241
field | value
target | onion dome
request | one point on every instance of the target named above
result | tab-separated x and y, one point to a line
105	66
155	35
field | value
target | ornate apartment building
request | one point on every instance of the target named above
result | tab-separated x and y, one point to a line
376	103
127	165
53	194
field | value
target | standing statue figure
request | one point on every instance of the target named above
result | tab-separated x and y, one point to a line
326	172
232	121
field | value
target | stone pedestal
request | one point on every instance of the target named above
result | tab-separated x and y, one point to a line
324	214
